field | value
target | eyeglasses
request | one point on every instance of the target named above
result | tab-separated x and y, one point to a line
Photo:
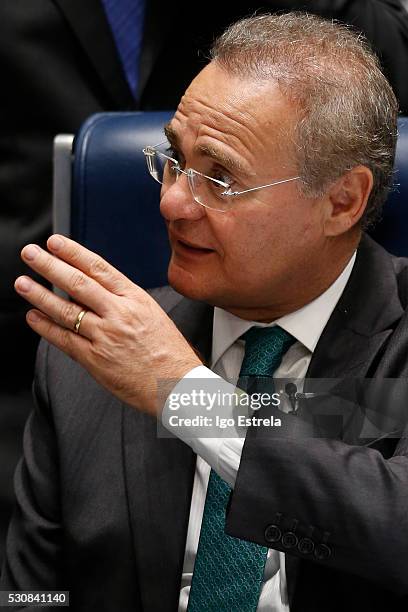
209	191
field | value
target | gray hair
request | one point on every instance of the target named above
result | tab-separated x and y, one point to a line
347	111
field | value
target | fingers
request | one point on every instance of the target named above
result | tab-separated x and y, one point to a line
82	288
61	311
74	345
90	263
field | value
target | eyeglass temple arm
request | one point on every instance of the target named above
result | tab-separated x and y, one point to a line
235	193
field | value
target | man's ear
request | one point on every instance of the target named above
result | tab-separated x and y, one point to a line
347	200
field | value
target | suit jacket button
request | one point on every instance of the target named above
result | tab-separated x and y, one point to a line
322	552
306	546
289	539
272	534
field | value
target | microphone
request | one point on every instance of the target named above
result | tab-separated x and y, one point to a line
294	395
291	392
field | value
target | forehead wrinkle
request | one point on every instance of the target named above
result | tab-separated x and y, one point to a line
230	122
215	153
235	135
228	110
241	132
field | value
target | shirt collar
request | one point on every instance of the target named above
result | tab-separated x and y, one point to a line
305	324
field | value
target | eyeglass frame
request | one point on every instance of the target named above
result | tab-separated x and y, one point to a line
151	150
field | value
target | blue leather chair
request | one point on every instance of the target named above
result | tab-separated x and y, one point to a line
105	198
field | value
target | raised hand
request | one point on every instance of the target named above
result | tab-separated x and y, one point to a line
112	326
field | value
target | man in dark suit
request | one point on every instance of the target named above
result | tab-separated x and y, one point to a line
279	153
61	64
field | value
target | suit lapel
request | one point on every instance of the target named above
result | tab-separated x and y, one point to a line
159	474
363	319
88	21
352	341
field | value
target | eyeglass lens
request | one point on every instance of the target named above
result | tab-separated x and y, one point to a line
204	191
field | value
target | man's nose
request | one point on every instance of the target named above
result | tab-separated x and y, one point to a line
177	202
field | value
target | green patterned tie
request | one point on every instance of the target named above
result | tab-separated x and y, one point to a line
228	571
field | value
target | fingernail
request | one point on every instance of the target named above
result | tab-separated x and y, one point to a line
23	284
55	243
31	251
33	316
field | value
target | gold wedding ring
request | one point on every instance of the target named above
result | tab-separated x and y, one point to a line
78	321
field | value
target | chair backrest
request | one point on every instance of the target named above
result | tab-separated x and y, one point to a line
112	204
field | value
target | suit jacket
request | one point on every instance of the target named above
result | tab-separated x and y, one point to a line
103	504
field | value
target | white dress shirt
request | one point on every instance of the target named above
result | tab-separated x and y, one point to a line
224	454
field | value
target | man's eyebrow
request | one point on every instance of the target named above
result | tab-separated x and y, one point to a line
213	152
171	134
222	158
